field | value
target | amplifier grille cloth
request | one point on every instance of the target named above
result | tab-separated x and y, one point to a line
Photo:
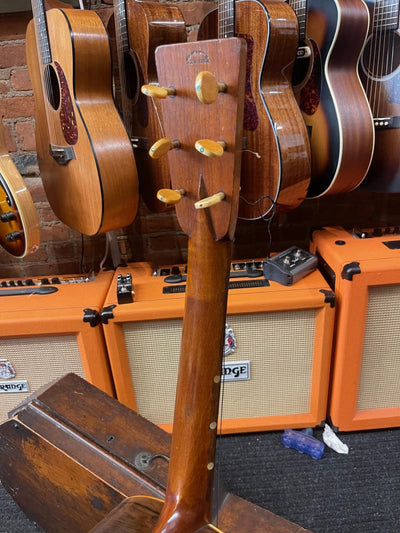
279	346
380	367
38	360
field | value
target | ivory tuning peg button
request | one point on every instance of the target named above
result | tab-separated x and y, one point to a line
210	200
207	87
155	91
162	146
170	196
210	148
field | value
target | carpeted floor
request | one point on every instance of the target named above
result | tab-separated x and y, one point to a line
354	493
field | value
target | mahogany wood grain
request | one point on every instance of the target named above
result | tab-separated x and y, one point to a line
332	99
275	171
188	120
140	27
17	210
97	190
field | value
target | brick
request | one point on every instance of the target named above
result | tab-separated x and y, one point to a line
11	271
20	80
10	141
194	12
4	87
25	135
13	25
16	107
45	214
58	252
55	232
12	55
35	187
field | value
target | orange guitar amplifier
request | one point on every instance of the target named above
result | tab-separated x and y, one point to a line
364	270
277	348
50	327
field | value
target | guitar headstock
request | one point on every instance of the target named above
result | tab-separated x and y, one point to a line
202	110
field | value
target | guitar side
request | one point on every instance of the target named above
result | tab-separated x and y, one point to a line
380	75
275	169
334	105
96	190
19	222
149	24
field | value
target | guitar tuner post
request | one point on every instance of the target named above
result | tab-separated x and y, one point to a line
210	148
210	200
155	91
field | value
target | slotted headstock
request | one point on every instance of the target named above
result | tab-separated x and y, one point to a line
203	122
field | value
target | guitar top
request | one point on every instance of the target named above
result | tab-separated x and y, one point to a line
85	156
275	171
380	74
331	96
139	28
19	222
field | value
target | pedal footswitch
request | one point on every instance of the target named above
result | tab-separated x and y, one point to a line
290	265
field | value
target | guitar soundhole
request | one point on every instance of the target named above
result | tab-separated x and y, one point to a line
52	87
131	77
381	55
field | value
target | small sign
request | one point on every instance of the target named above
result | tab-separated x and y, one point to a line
236	371
14	386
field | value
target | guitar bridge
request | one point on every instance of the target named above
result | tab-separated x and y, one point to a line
61	154
386	123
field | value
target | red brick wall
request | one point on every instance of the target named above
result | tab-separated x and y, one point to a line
156	238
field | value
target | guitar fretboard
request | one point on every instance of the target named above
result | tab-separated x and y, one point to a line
42	37
121	27
226	19
386	15
300	8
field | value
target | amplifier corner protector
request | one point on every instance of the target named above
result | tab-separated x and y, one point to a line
329	297
92	316
350	270
107	314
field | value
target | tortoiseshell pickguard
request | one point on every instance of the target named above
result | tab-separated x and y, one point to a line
67	115
250	122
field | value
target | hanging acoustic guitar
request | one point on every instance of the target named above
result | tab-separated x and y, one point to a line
380	74
19	222
276	153
139	28
85	156
330	94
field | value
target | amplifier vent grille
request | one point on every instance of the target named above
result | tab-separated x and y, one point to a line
279	346
38	360
380	368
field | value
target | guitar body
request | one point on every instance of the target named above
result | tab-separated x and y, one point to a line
91	181
149	24
273	126
380	74
19	222
333	102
